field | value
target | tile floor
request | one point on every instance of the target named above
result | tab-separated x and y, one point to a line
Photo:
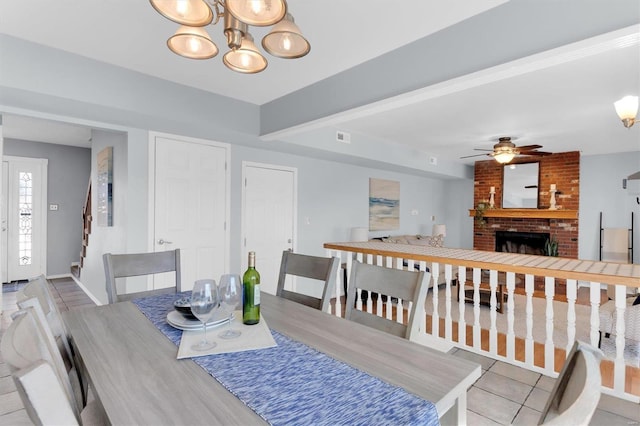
503	395
510	395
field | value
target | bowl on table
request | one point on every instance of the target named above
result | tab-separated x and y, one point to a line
183	305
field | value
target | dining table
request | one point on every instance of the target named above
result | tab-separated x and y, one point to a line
133	372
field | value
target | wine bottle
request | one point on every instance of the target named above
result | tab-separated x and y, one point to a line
251	292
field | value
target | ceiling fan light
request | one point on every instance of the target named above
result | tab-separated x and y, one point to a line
627	109
245	59
260	13
504	157
192	43
285	40
193	13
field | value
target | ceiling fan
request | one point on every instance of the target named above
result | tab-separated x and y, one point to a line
505	150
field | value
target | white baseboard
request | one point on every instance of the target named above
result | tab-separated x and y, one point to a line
82	287
86	291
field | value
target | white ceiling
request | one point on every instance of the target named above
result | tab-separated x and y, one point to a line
560	99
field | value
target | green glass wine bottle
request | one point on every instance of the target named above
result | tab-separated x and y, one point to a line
251	293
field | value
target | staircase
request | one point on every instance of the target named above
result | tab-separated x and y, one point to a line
86	230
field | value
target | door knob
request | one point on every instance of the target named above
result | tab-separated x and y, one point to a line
161	242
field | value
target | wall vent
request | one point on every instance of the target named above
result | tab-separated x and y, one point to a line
343	137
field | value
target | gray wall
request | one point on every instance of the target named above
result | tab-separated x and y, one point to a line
69	169
335	198
601	191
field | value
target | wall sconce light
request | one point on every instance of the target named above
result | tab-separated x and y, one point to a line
627	109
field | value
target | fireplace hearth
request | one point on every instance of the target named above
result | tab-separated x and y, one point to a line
521	242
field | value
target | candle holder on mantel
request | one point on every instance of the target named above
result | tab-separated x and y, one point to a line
492	193
552	199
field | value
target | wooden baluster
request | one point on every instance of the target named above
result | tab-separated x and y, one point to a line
594	298
410	265
399	311
360	258
619	364
572	295
549	350
337	284
398	306
369	301
528	343
435	317
493	329
511	335
477	343
462	325
448	322
422	265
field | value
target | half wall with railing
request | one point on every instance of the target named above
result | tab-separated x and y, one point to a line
525	310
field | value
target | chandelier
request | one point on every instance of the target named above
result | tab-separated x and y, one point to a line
192	41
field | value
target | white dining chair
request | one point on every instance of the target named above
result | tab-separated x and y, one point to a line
80	392
138	264
323	269
38	292
576	392
410	287
43	395
25	342
38	288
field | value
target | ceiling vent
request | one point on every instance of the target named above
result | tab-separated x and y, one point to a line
343	137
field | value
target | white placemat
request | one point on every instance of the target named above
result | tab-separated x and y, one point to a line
257	336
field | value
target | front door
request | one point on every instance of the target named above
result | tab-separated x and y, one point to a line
268	218
24	218
191	206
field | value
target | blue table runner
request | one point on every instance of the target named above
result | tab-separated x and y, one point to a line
294	384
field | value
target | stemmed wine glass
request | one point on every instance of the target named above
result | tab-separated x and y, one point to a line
205	301
230	298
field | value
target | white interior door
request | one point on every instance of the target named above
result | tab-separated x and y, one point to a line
192	206
24	220
268	218
4	210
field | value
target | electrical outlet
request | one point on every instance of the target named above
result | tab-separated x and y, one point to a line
414	212
53	207
433	161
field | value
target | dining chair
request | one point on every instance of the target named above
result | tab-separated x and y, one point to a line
43	395
73	366
576	393
25	342
399	287
38	288
323	269
137	264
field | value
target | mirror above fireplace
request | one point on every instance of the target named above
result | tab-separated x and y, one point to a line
520	186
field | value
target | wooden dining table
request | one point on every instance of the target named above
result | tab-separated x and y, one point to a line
134	373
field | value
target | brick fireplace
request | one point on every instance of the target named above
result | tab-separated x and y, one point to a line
561	169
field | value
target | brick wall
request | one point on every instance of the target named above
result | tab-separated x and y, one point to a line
563	169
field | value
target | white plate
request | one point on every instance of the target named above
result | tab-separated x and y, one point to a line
176	320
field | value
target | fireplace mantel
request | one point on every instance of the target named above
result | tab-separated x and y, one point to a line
528	213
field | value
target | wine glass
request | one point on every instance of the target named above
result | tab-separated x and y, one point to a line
230	298
205	301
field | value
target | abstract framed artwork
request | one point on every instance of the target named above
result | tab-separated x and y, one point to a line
105	187
384	205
